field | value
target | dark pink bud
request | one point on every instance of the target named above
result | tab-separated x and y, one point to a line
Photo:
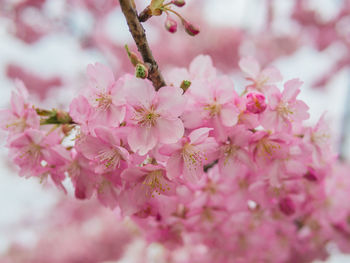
287	206
311	175
190	29
170	25
256	103
179	3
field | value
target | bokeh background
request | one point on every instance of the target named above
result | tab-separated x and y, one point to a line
48	45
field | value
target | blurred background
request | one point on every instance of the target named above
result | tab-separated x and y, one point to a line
49	43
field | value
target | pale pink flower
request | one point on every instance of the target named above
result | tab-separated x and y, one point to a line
213	104
142	184
188	156
234	155
22	115
262	79
284	109
106	150
154	115
106	97
30	148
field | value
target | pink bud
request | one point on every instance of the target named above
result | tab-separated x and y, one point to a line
190	29
170	25
256	102
179	3
287	206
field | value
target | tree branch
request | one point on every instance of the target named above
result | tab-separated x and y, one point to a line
139	36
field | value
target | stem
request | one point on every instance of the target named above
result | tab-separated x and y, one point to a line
139	36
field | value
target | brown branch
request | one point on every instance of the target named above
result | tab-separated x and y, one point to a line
145	15
139	36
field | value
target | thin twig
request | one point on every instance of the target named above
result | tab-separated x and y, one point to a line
139	36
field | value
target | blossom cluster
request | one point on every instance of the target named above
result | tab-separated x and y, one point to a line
201	166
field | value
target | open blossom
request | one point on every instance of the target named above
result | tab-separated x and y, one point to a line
106	97
262	79
105	150
154	115
143	183
284	109
213	104
21	116
30	148
188	156
234	155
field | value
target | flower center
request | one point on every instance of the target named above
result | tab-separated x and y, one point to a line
104	101
229	151
146	117
284	110
155	181
32	152
110	158
214	109
192	156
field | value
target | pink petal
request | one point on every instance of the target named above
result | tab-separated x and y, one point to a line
132	174
229	115
250	66
100	76
199	135
142	140
174	166
171	102
291	89
169	131
139	92
272	75
202	67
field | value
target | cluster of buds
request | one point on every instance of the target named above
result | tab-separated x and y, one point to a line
157	7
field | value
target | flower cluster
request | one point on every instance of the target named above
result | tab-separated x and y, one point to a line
205	167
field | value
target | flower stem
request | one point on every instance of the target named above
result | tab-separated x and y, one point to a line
139	36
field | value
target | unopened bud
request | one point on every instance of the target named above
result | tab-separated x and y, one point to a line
256	103
179	3
134	59
185	85
170	25
287	206
189	28
141	71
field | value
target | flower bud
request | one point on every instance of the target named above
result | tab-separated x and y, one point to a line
185	85
170	25
287	206
179	3
256	103
189	28
141	71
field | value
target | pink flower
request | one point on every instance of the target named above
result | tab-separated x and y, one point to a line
30	148
212	104
141	184
234	155
21	115
154	115
262	79
188	156
284	109
106	97
106	149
